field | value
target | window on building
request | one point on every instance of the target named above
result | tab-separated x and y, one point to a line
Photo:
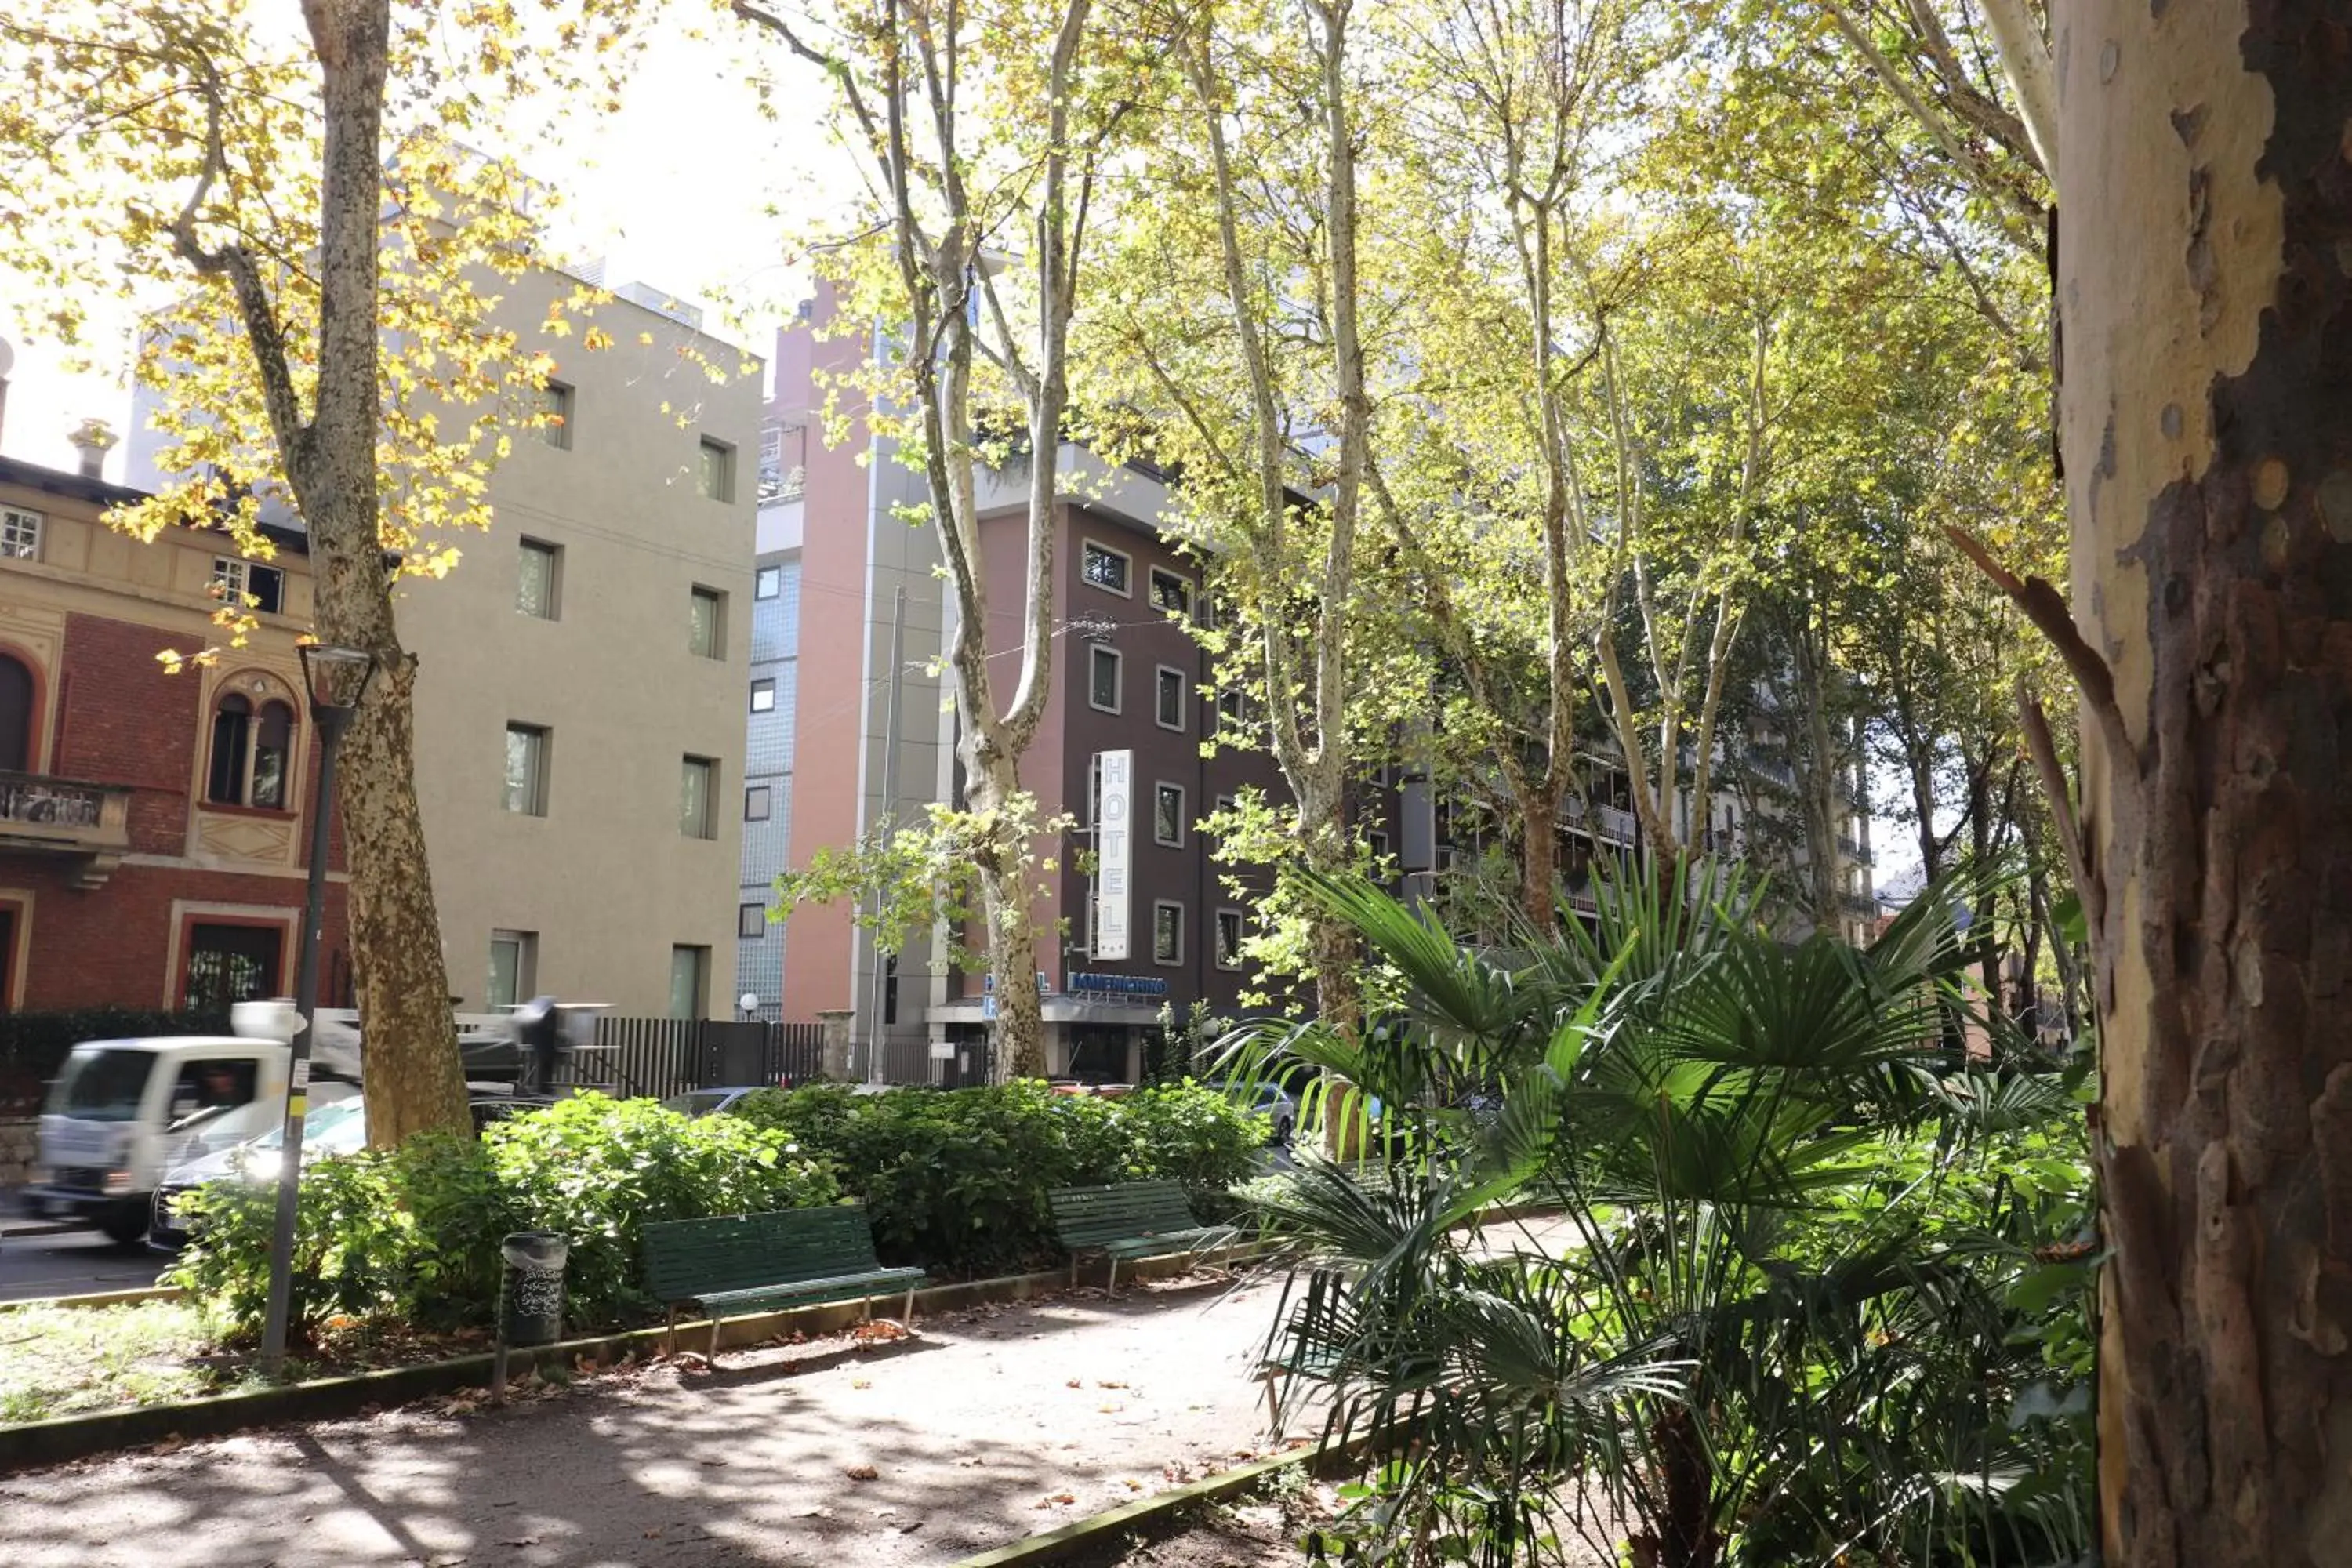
1379	844
768	583
16	715
249	586
689	981
536	569
694	777
232	737
751	922
771	444
1106	568
1168	697
229	963
890	988
715	475
525	774
1229	939
514	969
20	534
1171	593
273	749
1233	714
1168	815
755	802
706	636
555	400
1102	678
763	695
1167	932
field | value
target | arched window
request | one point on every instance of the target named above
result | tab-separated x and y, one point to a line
232	734
273	739
16	715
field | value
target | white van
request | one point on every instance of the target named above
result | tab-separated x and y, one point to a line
122	1112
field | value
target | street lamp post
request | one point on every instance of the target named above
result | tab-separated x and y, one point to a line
334	678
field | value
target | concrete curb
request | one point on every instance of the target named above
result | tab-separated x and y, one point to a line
100	1298
1096	1530
32	1444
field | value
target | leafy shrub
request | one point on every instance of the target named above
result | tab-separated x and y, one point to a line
596	1170
352	1245
956	1179
416	1233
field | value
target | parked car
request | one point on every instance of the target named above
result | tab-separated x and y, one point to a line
1271	1101
709	1101
339	1127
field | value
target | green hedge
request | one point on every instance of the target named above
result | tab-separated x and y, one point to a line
953	1180
956	1179
33	1045
413	1234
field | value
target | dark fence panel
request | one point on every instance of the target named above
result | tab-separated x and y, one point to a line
906	1061
795	1053
662	1056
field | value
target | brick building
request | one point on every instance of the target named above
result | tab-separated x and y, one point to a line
152	826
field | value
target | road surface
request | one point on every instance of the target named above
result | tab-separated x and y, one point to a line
70	1263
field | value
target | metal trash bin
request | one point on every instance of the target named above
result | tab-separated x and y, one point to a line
531	1288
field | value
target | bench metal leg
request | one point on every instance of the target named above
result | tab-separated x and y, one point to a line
712	1358
906	1317
1112	1288
1273	1403
672	1327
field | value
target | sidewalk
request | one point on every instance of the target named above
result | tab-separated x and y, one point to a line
992	1426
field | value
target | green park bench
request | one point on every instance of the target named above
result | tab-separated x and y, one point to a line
730	1266
1130	1220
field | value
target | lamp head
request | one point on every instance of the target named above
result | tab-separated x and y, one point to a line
334	676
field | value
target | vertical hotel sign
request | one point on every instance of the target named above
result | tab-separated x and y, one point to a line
1114	850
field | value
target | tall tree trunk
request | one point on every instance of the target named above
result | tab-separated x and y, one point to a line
416	1080
1820	782
1006	896
1539	857
2205	419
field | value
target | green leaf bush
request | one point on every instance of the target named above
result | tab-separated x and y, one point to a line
413	1234
957	1180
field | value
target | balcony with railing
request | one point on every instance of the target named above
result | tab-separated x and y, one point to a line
1614	824
1853	850
64	816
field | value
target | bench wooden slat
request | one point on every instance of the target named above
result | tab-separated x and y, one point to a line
1131	1219
731	1264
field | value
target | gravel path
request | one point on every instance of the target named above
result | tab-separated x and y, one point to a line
990	1425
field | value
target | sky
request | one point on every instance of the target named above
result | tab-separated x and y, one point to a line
688	188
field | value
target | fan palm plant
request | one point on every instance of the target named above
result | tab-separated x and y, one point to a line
1773	1321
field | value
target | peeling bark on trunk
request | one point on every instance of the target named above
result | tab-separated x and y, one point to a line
2206	428
416	1080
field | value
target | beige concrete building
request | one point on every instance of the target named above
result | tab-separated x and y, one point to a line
580	720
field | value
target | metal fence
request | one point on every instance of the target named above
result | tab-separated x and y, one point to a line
662	1056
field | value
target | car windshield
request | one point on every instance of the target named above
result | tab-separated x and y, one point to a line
338	1129
103	1083
700	1102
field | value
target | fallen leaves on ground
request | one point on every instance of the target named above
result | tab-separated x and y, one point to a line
879	1331
1058	1499
862	1473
